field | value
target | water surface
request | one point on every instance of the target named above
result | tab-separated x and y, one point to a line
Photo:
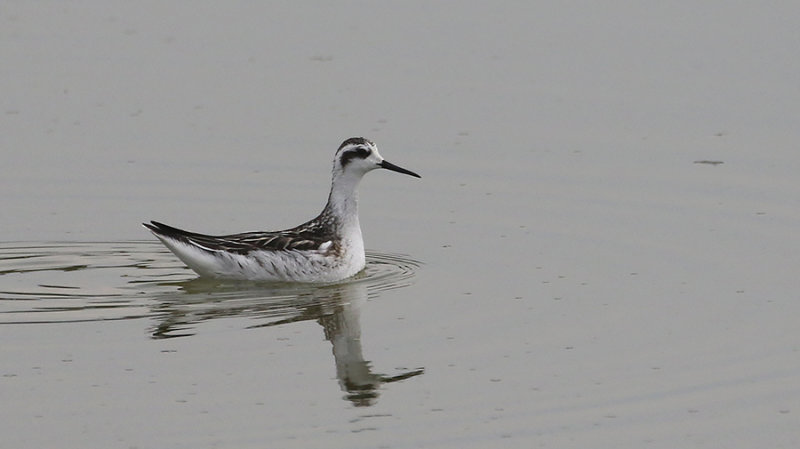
602	250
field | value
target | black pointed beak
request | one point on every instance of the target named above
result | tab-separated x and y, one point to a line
389	166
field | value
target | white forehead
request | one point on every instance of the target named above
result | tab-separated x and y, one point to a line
356	143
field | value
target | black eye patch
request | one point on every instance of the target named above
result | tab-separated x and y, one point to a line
360	153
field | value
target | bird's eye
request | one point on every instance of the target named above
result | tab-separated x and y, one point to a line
359	153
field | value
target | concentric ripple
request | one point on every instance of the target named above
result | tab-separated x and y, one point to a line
73	282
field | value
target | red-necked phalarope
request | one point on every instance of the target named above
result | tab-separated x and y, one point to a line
328	248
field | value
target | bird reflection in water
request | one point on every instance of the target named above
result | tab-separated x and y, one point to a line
337	308
343	330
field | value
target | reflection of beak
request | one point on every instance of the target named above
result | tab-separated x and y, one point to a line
389	166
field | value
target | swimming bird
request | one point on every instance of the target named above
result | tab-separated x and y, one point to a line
328	248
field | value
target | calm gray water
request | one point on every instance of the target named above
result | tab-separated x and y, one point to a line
601	251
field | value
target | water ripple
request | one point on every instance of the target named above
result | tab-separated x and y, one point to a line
91	281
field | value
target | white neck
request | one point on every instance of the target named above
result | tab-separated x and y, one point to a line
343	199
343	204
